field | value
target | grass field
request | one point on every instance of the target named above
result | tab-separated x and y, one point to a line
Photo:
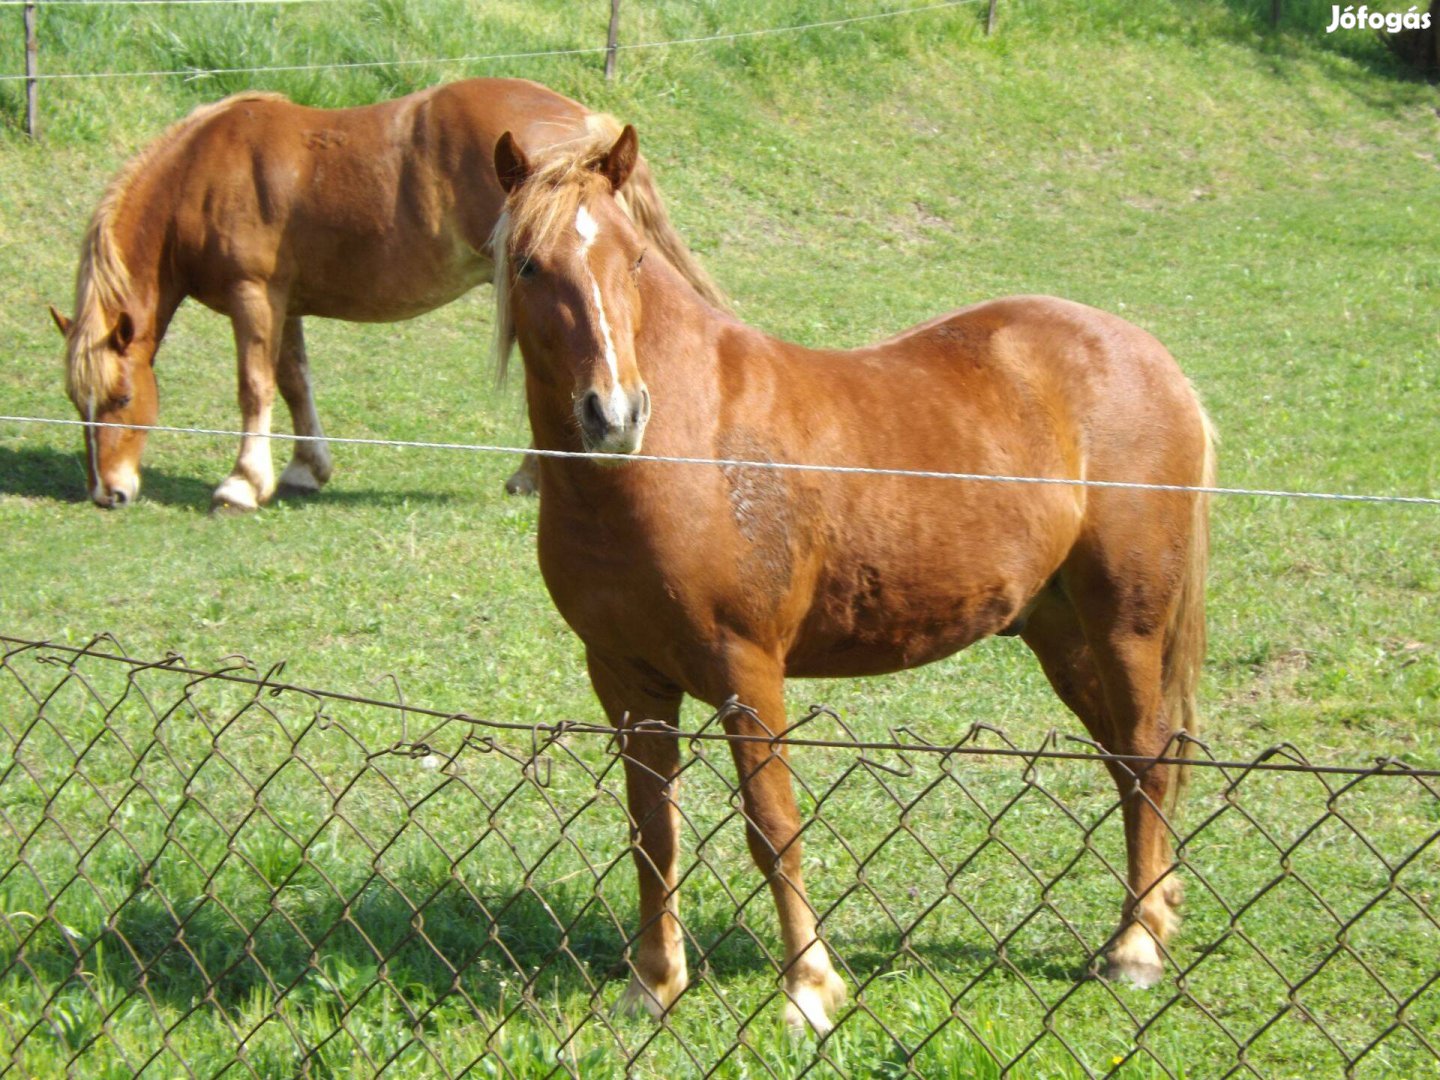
1262	201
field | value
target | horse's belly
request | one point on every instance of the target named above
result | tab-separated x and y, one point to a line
845	638
847	659
871	617
389	289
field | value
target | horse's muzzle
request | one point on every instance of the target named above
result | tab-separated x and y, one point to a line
613	424
112	496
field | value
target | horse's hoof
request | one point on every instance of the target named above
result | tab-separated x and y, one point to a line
526	479
520	484
299	479
219	508
1141	974
235	495
641	1000
813	1004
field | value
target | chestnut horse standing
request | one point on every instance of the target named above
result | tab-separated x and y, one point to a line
267	211
722	581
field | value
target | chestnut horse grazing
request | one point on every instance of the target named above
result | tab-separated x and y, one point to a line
716	582
267	211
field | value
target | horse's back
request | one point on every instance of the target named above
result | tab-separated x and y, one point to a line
907	569
1058	369
369	213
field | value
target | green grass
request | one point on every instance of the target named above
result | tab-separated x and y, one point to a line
1262	202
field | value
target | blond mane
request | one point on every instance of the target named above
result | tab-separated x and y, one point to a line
561	178
102	280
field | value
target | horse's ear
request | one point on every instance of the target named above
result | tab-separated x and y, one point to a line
511	164
61	322
621	159
122	333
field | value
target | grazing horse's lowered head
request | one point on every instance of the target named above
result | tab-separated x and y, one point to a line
109	375
569	255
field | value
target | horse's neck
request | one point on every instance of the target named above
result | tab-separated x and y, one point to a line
679	350
156	288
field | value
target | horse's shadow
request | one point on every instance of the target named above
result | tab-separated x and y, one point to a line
42	472
433	938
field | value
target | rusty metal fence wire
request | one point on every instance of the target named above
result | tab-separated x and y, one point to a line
209	871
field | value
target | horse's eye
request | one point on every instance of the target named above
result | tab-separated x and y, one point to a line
638	260
122	401
526	267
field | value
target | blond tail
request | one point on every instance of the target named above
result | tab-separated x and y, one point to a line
1185	646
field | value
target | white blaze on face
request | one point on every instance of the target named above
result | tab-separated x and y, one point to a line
92	452
589	229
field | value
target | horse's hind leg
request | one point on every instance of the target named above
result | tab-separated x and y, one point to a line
1110	677
658	973
310	465
256	320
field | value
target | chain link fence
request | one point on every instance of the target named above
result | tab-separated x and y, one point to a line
211	872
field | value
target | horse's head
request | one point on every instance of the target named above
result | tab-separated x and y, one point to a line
568	261
109	377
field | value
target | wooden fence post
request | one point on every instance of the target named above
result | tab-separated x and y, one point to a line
613	40
990	19
32	69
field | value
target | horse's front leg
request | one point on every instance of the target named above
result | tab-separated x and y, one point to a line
658	973
813	990
310	464
256	322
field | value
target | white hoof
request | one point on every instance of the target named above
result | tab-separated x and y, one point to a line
235	493
812	1002
640	1000
1135	958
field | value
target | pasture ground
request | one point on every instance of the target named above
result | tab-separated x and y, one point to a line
1264	203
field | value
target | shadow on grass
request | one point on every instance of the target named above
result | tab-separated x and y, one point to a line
426	940
331	496
41	472
1305	22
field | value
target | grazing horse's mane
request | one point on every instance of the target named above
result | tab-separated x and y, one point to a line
102	281
561	179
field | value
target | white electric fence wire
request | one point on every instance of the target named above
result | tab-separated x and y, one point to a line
779	466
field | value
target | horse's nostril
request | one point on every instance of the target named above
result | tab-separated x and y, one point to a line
119	497
642	409
592	414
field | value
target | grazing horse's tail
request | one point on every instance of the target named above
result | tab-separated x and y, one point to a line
1185	641
642	199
